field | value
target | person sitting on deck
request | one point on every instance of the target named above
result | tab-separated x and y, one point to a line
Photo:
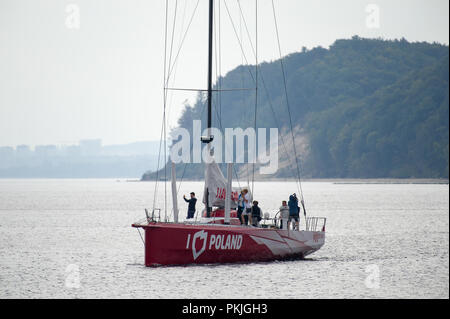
255	214
284	215
191	208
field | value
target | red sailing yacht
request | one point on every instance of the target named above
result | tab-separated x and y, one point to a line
219	236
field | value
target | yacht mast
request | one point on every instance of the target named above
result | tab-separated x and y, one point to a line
208	139
210	66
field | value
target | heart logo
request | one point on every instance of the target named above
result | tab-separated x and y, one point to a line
202	235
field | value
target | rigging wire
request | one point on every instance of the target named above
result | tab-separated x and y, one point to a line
255	80
244	57
169	68
182	42
174	76
243	83
266	91
215	47
239	41
260	76
185	164
165	92
140	235
287	103
220	59
213	90
256	90
165	118
173	35
218	114
217	101
234	166
164	111
176	64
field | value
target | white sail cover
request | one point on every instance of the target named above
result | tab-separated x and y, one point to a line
216	185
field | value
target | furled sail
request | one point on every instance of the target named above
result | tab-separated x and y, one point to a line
215	187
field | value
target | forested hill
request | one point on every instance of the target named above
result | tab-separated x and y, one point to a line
366	108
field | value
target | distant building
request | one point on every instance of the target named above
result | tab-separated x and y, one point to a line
46	150
6	151
90	147
86	160
23	151
71	151
6	156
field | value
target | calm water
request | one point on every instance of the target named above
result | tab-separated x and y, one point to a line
72	239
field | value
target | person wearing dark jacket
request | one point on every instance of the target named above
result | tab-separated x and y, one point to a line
294	211
256	214
241	207
191	208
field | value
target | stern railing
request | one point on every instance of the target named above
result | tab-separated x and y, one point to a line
315	223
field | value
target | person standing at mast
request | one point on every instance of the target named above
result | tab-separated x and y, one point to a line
191	209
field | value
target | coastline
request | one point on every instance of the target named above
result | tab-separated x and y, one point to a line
343	181
337	181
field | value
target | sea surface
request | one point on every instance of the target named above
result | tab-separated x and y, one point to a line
73	239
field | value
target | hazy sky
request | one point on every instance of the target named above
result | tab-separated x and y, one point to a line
63	79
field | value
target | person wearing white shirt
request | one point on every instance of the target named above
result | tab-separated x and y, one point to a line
284	215
247	213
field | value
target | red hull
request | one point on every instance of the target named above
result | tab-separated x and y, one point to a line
182	244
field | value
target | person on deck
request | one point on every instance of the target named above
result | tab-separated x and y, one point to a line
284	215
247	213
255	214
241	208
191	209
294	211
